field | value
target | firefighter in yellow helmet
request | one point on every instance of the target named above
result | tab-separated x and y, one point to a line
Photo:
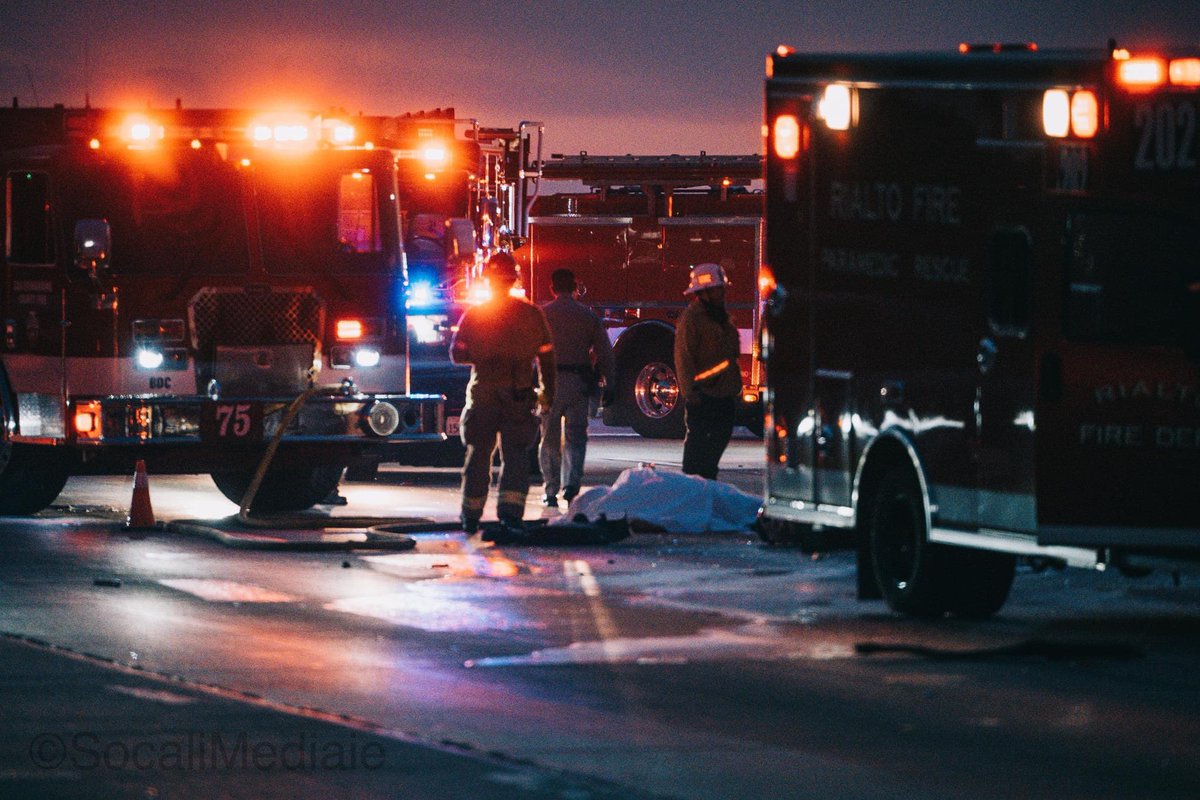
501	339
706	361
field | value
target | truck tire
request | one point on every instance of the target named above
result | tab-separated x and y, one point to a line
903	559
922	579
291	488
649	387
981	583
31	477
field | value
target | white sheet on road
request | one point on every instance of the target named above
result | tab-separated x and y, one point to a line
672	501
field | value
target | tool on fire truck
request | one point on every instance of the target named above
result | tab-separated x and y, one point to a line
981	343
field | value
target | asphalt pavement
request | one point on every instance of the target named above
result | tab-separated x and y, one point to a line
78	726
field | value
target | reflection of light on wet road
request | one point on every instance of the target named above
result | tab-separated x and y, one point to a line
425	566
432	613
579	573
447	578
748	642
227	591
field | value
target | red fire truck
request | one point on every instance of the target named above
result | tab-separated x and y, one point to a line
174	279
631	239
984	334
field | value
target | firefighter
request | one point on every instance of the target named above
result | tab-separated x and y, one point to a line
706	360
500	339
579	339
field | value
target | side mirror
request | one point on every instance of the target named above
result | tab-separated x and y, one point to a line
460	241
776	301
93	246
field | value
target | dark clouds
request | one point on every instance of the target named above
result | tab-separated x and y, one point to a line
666	76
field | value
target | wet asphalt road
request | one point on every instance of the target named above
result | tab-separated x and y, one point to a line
684	665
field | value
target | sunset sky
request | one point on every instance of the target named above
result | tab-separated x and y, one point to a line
606	77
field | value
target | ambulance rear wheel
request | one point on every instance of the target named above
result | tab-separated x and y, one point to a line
31	477
905	563
284	488
922	579
650	387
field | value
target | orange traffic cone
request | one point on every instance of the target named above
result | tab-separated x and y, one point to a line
141	514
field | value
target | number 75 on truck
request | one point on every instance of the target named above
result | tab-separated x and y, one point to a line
984	333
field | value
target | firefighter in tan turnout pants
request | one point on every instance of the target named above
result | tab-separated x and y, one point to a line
500	339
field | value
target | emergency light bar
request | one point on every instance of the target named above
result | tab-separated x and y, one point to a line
145	130
1148	72
1142	72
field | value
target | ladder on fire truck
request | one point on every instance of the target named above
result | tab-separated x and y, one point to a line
656	175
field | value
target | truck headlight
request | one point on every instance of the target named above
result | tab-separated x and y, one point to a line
148	358
366	357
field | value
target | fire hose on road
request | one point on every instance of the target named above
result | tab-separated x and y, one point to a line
379	532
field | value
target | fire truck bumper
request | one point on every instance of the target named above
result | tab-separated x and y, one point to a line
364	422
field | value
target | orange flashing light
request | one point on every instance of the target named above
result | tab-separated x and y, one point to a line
787	136
1142	73
766	281
349	329
87	420
1184	71
1085	114
480	292
94	144
140	131
434	154
340	133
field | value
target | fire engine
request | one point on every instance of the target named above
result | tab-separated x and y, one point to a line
983	337
174	279
631	239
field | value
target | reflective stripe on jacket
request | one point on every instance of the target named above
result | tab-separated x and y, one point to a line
706	354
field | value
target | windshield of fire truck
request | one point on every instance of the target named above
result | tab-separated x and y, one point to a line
1133	277
320	219
178	216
